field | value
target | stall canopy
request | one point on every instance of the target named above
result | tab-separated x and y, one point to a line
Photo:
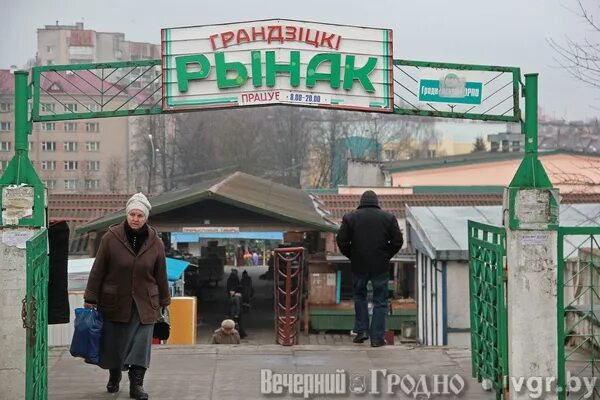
83	266
441	232
239	200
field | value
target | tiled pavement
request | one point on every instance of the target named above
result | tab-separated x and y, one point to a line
232	372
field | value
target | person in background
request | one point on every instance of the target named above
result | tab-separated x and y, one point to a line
233	280
248	258
239	256
271	270
128	284
226	334
235	309
247	291
254	258
369	237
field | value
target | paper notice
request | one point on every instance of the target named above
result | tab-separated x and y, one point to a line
17	238
534	239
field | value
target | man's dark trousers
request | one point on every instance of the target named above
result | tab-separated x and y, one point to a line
380	304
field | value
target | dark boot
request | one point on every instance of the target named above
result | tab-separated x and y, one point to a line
136	383
114	379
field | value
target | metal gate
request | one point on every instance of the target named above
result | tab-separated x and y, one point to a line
487	287
35	317
289	275
578	302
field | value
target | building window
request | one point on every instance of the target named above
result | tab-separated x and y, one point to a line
48	146
70	165
30	145
47	107
4	107
4	126
3	164
50	184
5	146
70	126
92	183
70	107
92	146
48	126
92	127
70	184
70	146
92	107
92	165
48	165
389	155
50	49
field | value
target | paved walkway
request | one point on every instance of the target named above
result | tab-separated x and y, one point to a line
234	372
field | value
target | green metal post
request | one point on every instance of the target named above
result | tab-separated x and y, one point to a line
531	114
22	125
560	315
19	169
531	173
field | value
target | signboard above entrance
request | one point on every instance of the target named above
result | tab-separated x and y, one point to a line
277	62
450	86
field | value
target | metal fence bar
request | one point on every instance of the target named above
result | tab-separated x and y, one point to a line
120	95
488	314
35	317
578	327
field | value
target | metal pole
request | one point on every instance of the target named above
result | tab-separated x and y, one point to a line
531	173
531	114
22	126
150	184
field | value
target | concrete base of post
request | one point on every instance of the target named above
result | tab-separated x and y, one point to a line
531	260
13	285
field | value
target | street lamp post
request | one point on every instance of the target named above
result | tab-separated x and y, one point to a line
152	165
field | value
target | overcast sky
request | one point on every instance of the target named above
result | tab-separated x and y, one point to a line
507	32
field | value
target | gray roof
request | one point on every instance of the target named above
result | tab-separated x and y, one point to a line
260	199
441	232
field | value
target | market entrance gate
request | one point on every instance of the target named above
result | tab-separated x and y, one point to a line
282	62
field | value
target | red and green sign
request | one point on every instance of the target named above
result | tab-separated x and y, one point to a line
277	62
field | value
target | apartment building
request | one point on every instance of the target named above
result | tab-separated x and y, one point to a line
70	156
73	44
84	155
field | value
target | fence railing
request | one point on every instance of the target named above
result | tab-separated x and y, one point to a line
487	287
578	302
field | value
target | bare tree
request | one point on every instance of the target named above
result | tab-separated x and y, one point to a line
479	145
289	139
581	58
576	182
152	152
113	174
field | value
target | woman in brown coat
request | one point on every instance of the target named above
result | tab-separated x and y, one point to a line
128	283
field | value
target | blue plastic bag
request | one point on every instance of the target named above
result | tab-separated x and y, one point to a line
87	335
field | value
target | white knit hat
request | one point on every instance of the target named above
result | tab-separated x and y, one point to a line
228	323
138	202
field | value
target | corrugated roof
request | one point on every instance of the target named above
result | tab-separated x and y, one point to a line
339	204
441	232
242	191
82	208
467	159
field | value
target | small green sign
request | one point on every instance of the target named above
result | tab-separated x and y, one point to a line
450	89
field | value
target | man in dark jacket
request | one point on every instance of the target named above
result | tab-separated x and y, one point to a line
369	237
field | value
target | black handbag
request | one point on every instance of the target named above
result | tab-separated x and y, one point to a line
162	328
